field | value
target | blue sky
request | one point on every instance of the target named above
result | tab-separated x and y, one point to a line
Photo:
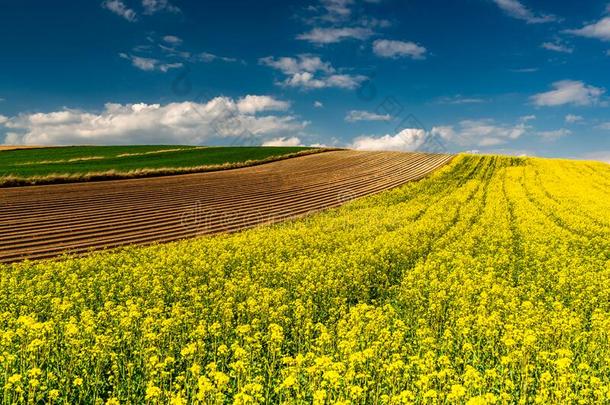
503	76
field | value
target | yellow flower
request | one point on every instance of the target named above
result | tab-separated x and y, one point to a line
177	400
14	379
319	397
457	391
35	372
195	369
153	392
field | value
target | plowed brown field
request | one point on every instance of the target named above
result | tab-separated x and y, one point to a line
17	147
45	221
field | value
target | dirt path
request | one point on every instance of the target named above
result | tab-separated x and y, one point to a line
45	221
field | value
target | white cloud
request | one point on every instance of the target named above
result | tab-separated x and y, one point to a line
254	104
406	140
210	57
310	72
3	119
397	49
555	134
482	132
141	63
318	104
446	132
165	53
598	30
459	99
172	39
283	141
321	36
119	8
302	63
181	123
150	64
155	6
557	47
340	11
604	126
308	81
569	92
516	9
336	10
571	118
357	115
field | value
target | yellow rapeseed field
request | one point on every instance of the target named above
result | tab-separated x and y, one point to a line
487	283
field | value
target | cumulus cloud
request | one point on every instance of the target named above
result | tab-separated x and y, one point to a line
307	80
516	9
172	39
150	64
339	20
336	10
302	63
341	11
572	119
569	92
155	6
554	134
406	140
322	36
3	119
119	8
181	123
254	104
357	115
318	104
283	141
599	30
149	7
604	126
397	49
557	47
482	132
309	72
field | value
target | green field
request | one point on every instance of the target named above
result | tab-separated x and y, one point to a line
486	283
74	163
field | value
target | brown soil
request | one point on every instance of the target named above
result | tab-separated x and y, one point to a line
15	147
45	221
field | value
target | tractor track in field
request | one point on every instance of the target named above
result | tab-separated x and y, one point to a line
38	222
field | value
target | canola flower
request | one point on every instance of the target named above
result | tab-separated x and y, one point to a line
488	282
